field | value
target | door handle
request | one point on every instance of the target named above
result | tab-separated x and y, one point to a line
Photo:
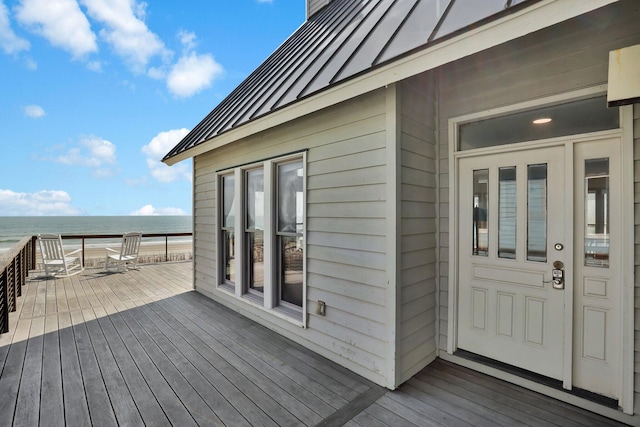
557	276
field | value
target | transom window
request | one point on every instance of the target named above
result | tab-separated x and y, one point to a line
264	261
550	121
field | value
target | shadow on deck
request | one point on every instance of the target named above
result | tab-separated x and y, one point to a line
142	348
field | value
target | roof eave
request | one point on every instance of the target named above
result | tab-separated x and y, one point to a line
538	16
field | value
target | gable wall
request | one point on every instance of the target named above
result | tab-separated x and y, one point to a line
417	317
563	58
346	228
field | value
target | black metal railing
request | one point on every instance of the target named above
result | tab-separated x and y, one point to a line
15	265
84	237
20	259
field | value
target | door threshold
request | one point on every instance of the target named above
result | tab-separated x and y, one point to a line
539	379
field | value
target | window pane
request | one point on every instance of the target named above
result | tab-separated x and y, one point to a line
290	197
228	201
291	256
597	213
537	213
480	212
255	257
507	213
229	256
587	115
255	200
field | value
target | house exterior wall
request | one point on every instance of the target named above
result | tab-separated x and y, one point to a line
346	231
636	199
417	305
560	59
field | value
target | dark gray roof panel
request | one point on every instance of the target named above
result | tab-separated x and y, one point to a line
415	30
465	12
346	38
375	34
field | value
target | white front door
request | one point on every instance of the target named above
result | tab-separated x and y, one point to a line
538	281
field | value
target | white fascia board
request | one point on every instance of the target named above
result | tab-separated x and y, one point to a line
526	21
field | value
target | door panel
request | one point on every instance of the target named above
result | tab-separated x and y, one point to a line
597	182
515	227
510	218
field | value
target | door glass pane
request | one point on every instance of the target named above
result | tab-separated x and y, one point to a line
537	213
480	212
596	242
507	224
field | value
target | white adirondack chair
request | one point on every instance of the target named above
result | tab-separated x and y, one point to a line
57	262
128	253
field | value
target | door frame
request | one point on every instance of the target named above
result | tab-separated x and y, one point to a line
625	133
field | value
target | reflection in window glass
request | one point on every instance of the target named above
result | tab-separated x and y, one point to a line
571	118
254	233
480	212
228	200
596	243
228	224
537	213
507	224
290	235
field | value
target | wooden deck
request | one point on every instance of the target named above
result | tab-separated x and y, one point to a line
141	348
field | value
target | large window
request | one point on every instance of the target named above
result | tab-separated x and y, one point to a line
290	232
262	235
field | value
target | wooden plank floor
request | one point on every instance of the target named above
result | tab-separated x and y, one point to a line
141	348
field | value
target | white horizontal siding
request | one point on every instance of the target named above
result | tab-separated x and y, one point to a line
346	205
636	149
416	331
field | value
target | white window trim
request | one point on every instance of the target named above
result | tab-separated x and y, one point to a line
269	300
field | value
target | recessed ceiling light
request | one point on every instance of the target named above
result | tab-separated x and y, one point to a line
542	121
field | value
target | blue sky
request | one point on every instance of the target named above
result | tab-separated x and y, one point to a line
95	92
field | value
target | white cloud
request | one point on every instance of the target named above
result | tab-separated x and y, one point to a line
126	31
150	210
61	22
34	111
160	145
192	74
9	41
44	202
92	152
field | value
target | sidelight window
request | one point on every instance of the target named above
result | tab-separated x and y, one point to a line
596	245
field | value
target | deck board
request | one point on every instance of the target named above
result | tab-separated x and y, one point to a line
142	348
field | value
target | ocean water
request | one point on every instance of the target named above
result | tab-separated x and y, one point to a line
14	228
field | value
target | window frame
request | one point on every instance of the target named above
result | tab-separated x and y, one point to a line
270	299
223	229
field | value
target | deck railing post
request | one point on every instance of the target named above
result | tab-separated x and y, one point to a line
4	302
33	252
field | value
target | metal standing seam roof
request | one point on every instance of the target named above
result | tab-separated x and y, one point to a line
343	40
